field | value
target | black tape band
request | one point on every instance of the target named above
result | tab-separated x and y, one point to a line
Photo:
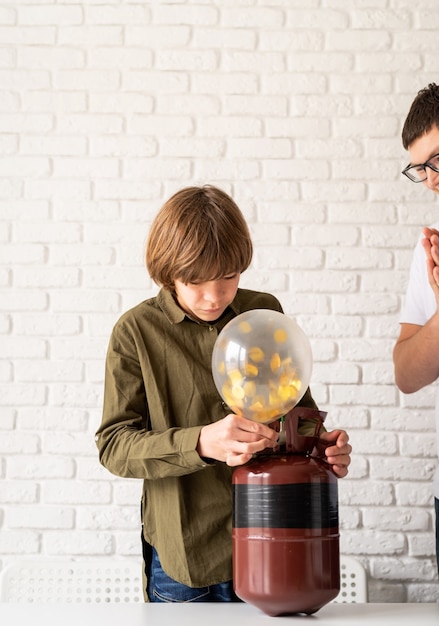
301	505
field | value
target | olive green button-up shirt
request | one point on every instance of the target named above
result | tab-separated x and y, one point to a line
159	393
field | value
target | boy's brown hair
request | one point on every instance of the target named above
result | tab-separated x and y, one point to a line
198	235
422	116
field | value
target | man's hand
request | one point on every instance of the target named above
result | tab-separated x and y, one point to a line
430	243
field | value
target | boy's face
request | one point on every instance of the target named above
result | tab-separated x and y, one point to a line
423	149
207	301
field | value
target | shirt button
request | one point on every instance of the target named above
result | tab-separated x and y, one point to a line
211	328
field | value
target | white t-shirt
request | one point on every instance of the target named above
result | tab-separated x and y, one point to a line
419	306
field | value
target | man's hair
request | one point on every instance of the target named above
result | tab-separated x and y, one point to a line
198	235
422	116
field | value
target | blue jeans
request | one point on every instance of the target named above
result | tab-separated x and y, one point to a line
162	588
436	507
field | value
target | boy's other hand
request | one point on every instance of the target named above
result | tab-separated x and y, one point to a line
337	450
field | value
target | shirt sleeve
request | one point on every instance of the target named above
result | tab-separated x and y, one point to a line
127	447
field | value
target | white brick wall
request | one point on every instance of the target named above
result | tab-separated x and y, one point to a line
295	107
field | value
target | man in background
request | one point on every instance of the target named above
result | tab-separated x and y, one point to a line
416	352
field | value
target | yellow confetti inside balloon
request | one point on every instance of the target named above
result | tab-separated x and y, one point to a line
275	362
235	376
249	389
250	369
256	354
244	326
238	392
280	335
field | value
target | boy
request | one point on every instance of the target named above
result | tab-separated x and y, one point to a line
416	352
163	419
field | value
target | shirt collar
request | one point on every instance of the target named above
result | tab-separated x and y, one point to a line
170	308
175	314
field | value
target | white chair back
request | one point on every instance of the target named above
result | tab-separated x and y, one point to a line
353	581
58	581
103	580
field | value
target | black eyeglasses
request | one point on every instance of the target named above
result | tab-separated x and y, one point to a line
417	173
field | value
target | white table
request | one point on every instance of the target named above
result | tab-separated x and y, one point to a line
218	614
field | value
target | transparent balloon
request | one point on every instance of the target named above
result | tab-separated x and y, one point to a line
261	364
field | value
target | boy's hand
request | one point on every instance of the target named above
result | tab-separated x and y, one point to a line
335	447
235	439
